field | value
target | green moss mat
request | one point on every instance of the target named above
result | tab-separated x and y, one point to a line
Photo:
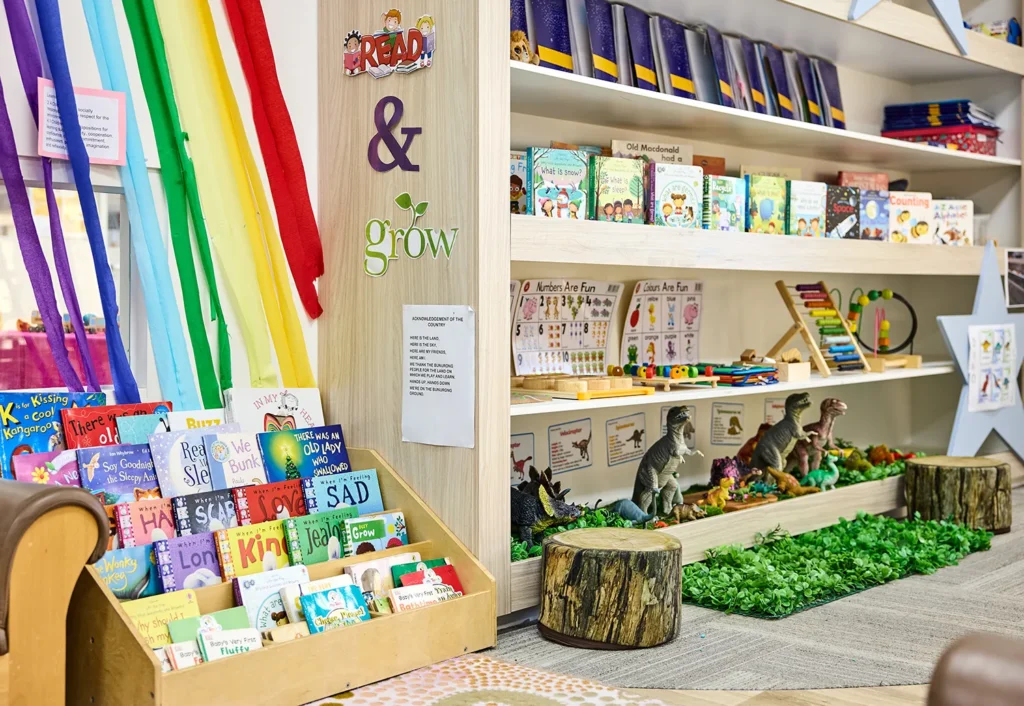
784	575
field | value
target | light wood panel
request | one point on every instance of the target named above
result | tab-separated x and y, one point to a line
461	103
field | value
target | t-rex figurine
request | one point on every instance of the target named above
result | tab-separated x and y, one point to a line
824	478
806	455
535	513
747	450
657	467
777	443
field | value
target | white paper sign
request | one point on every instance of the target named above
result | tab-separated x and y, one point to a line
569	445
522	457
992	381
439	375
774	409
627	438
727	424
102	118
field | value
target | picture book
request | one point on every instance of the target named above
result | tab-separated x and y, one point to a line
842	212
557	182
662	153
180	460
370	534
954	222
785	173
673	58
805	202
712	166
136	429
129	573
30	422
874	214
616	189
228	643
755	71
776	68
358	488
204	512
260	595
721	59
151	615
304	453
725	203
406	598
400	570
47	468
234	460
183	655
144	522
227	619
251	550
118	474
291	594
97	426
867	181
373	577
112	540
261	409
811	93
440	574
271	501
517	184
334	608
164	658
832	99
676	195
551	34
188	562
702	64
766	208
317	538
638	24
194	419
601	27
796	86
910	217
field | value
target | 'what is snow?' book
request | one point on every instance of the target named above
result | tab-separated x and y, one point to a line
557	182
30	422
291	454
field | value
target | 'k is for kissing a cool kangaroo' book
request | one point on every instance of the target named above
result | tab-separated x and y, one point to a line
30	422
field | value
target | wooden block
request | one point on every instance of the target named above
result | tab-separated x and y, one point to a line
517	380
599	384
794	372
621	383
538	383
572	385
793	355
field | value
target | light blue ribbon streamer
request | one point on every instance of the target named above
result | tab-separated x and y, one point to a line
173	364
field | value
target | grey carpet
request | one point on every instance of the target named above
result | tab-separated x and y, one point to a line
887	636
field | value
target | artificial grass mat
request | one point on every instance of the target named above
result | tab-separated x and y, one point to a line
782	575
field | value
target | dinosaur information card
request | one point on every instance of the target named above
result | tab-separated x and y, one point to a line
522	457
569	445
627	438
662	324
727	424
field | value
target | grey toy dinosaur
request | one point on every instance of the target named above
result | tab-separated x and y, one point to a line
657	467
806	455
539	504
629	510
777	443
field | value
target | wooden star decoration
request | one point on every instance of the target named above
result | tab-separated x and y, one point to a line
972	428
948	12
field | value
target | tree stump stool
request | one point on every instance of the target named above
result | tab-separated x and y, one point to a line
973	491
611	588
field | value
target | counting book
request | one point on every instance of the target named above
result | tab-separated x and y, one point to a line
47	468
261	409
370	534
616	189
187	562
317	538
118	474
358	488
271	501
30	422
144	522
136	429
842	212
334	608
251	550
97	426
291	454
261	595
557	182
180	460
725	203
129	573
806	208
234	460
151	615
910	217
766	210
204	512
676	196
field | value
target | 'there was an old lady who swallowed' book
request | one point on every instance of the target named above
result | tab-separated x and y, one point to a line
557	182
30	422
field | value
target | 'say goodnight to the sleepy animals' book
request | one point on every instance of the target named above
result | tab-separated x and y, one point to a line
557	182
118	474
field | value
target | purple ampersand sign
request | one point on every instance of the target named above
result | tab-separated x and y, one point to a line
385	132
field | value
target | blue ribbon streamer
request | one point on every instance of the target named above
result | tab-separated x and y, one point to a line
174	368
126	391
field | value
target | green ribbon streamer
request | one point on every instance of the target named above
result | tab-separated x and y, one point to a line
179	180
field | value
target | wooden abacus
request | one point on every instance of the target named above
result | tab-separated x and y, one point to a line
837	349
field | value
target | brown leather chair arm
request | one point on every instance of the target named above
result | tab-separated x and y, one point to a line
21	504
979	669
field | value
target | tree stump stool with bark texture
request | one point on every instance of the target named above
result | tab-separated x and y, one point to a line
973	491
611	588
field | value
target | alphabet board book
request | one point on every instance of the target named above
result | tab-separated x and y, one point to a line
30	422
557	182
180	460
874	215
616	189
144	522
316	538
373	577
725	203
289	454
97	426
400	570
48	468
954	222
676	195
434	575
234	460
194	419
118	474
360	489
660	152
520	204
136	429
189	628
806	208
252	549
188	562
843	212
151	615
260	409
662	324
334	608
910	217
260	595
370	534
291	593
227	643
270	501
129	573
204	512
766	211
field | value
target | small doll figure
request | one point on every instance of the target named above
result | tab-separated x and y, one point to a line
425	25
352	43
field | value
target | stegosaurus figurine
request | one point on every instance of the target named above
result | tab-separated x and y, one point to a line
538	504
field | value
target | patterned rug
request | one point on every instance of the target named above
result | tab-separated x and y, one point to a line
474	680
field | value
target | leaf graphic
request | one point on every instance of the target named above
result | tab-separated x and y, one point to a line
404	201
421	208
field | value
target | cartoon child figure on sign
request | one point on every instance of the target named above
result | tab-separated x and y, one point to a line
425	25
352	42
516	192
392	21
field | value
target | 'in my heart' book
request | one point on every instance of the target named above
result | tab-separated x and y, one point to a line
260	409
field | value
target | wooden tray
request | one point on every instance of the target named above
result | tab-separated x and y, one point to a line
668	384
734	506
883	362
569	387
110	664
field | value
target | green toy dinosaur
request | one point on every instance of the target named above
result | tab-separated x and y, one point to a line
825	477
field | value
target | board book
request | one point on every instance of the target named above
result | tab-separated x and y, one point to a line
188	562
251	550
400	570
334	608
725	203
291	454
204	512
234	460
291	594
136	429
373	577
842	212
97	426
676	195
30	422
616	189
317	538
228	643
129	573
118	474
228	619
270	501
766	209
557	182
182	655
806	201
440	574
180	460
260	595
151	615
144	522
360	489
517	184
406	598
371	534
660	152
910	217
194	419
954	222
874	215
261	409
47	468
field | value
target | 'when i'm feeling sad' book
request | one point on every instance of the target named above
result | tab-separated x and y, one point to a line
360	489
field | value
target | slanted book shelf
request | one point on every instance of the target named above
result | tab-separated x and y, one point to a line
112	665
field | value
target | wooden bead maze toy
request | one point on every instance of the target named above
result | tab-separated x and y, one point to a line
836	349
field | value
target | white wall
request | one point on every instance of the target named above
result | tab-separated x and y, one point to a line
292	28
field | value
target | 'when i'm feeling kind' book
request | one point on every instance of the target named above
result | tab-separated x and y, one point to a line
97	426
180	460
252	549
360	489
